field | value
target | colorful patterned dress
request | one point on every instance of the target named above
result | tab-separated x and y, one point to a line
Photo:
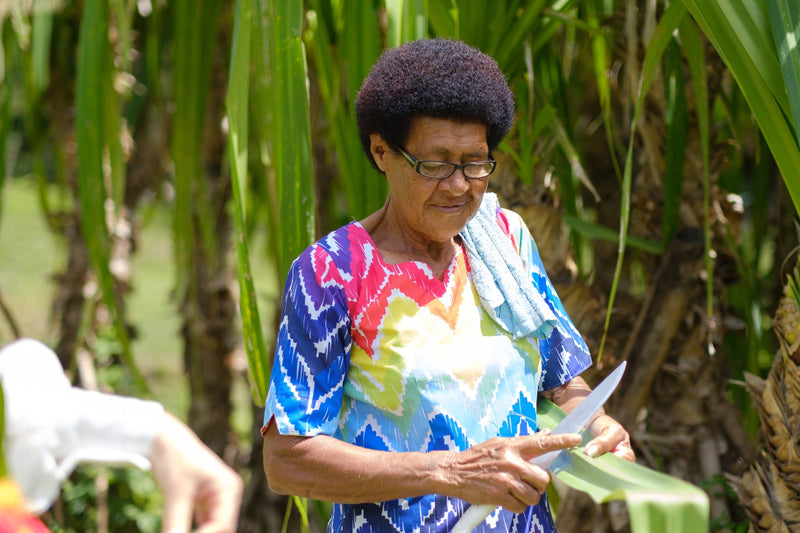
389	357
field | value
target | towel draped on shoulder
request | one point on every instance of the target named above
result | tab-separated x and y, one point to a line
504	286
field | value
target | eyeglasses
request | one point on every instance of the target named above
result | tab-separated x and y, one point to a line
441	169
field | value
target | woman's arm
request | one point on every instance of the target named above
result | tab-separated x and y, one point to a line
495	472
609	435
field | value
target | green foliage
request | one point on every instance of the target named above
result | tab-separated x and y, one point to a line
302	509
237	103
736	522
784	16
131	501
793	282
741	33
343	40
291	132
655	50
557	54
656	502
195	36
97	130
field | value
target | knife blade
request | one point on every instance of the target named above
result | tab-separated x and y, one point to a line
572	423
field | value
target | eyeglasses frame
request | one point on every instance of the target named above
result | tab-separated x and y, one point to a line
417	163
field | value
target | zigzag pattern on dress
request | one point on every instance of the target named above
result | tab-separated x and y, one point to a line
391	358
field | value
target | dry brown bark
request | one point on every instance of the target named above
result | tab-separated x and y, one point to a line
770	488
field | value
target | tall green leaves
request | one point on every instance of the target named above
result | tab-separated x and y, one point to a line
195	31
237	101
98	134
344	42
291	131
785	18
271	28
662	38
407	20
741	33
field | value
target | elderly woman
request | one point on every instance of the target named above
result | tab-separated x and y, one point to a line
414	343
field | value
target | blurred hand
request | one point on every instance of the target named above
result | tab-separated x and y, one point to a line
609	436
194	481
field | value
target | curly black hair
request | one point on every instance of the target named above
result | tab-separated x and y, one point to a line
439	78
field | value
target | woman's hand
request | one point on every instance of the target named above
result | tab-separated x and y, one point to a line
498	471
609	436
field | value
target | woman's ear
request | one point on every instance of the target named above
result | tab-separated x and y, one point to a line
379	148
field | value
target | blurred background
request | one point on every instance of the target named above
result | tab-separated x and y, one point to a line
164	161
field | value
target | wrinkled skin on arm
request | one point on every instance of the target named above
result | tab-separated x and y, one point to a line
494	472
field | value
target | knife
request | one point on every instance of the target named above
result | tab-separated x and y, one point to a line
572	423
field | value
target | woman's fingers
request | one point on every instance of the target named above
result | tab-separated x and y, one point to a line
609	436
499	471
532	446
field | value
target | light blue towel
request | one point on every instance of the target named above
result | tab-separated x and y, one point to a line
504	287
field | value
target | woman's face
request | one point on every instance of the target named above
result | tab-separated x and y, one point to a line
433	210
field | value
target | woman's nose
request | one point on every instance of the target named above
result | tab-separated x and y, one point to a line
456	181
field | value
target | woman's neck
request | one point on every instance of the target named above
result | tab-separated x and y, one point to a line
397	246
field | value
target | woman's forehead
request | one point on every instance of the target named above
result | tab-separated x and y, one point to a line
442	134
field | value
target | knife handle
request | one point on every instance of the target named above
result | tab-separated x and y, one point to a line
473	516
476	514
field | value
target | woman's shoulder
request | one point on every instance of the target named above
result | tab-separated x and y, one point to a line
510	221
346	243
344	247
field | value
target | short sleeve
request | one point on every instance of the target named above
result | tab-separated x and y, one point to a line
312	353
564	352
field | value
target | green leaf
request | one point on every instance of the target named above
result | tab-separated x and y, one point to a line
655	50
785	18
361	44
601	66
656	502
195	31
94	72
42	33
237	110
596	231
350	48
292	131
740	32
407	20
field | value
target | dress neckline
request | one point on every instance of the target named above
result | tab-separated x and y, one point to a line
411	266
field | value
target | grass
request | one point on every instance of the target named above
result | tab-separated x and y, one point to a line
30	255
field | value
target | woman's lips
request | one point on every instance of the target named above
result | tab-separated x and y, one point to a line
450	208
